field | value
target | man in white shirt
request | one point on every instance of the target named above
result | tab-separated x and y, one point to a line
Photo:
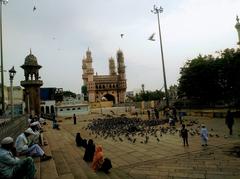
24	147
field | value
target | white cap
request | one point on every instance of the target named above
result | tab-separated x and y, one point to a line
7	140
29	131
34	123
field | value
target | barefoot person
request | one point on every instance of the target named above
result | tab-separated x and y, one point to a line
23	146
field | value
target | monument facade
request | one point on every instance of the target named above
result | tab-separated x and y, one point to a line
111	87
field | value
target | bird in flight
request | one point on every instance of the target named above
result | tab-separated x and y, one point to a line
121	35
34	8
152	37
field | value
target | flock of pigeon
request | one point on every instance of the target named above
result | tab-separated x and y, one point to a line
137	130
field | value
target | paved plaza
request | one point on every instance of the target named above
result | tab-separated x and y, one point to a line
167	158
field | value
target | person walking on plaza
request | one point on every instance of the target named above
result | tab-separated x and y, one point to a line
11	166
184	135
156	113
204	135
74	119
229	121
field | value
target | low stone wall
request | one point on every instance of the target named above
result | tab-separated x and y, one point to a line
215	113
112	110
12	127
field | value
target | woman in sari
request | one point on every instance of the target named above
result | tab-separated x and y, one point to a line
97	158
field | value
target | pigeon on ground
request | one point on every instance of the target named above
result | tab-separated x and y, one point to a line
121	35
34	8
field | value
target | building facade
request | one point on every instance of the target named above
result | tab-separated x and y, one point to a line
111	87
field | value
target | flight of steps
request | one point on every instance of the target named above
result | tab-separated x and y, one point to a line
67	162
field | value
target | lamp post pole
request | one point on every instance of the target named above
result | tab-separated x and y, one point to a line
12	73
157	10
1	42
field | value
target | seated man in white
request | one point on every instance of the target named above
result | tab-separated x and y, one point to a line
37	138
11	166
42	121
23	146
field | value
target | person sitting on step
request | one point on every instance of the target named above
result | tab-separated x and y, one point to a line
97	158
23	146
106	166
89	151
11	166
78	140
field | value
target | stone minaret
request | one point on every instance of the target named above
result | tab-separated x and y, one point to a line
87	76
31	84
237	26
87	68
84	68
121	77
121	65
112	67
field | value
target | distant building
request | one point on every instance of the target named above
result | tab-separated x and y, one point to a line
111	87
18	101
67	110
48	103
5	96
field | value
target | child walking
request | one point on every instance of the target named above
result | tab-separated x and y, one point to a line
184	135
204	135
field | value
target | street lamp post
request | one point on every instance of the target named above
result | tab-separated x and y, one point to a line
157	10
1	42
12	73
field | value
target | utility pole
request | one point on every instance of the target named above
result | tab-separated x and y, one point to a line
1	43
157	11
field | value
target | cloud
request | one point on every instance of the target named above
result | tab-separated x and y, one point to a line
59	32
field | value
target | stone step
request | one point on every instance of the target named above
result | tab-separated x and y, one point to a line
48	168
38	168
68	158
66	176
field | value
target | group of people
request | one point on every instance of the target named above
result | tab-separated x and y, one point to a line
229	121
153	113
94	155
170	113
27	144
203	135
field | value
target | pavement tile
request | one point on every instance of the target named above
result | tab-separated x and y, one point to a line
166	159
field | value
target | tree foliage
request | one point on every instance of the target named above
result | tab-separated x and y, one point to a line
149	95
69	94
212	79
84	89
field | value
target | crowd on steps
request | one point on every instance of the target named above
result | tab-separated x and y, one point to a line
27	146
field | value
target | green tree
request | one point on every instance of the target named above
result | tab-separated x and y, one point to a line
211	79
69	94
149	95
84	92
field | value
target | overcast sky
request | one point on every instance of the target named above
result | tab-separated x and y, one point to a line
60	31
